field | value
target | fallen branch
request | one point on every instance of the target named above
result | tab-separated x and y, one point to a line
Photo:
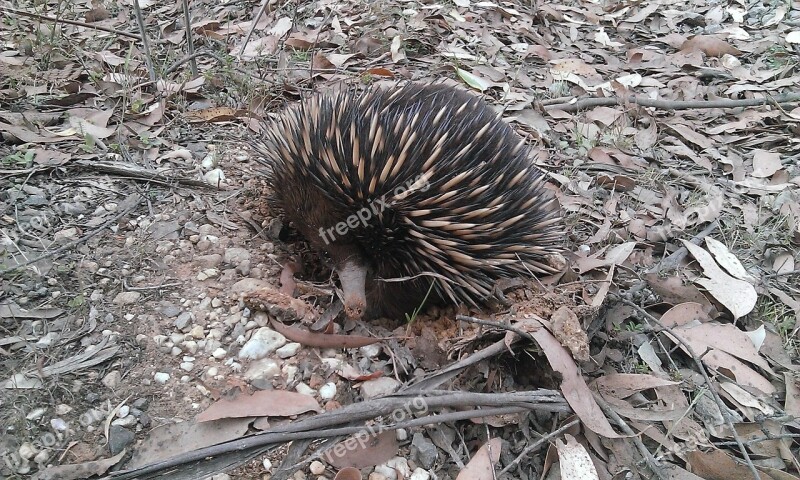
577	104
70	22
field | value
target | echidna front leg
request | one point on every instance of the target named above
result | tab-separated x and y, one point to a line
353	276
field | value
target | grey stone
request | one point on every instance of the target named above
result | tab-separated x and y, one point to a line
119	438
424	451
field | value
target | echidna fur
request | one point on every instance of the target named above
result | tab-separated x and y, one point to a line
453	198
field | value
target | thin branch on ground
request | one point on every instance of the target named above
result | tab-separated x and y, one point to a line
501	326
539	443
675	258
576	103
148	56
189	39
79	241
70	22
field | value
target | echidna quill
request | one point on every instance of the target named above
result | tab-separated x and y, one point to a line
422	183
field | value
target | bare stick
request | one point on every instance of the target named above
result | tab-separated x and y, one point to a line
535	446
70	22
145	41
589	102
253	24
189	38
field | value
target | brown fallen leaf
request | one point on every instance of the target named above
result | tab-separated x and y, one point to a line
568	330
264	403
365	449
710	45
481	467
573	386
322	340
81	470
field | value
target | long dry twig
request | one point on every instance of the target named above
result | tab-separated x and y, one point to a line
577	103
70	22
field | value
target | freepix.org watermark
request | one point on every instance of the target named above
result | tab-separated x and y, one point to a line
375	207
362	439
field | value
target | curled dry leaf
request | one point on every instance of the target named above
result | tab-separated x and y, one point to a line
575	462
264	403
481	467
711	46
81	470
738	296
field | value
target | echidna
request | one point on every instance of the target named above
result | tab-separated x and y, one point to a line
421	183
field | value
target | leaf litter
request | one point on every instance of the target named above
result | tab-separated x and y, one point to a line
670	134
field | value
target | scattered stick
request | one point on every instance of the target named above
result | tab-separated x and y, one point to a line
81	240
577	104
189	39
675	258
501	326
70	22
145	41
535	446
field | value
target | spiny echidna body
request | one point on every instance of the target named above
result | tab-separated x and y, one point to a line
421	183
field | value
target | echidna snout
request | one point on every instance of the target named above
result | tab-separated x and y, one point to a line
344	168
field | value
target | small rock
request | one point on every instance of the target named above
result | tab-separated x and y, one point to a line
221	476
197	332
161	377
382	472
128	421
265	368
423	450
119	438
42	457
263	342
63	409
209	261
235	255
305	389
182	322
401	434
219	353
123	411
59	424
170	310
66	235
187	366
126	298
27	450
379	387
400	466
327	391
267	464
36	414
112	379
208	273
288	350
47	340
370	351
317	467
420	474
216	302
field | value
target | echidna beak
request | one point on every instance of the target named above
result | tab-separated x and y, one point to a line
353	279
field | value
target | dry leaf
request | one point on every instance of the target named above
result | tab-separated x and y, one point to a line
264	403
711	46
365	449
575	462
481	467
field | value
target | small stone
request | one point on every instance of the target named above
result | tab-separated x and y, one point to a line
42	457
187	366
66	235
317	467
221	476
126	298
423	450
400	466
27	450
235	255
126	422
182	322
216	302
190	346
305	389
401	434
263	342
376	475
36	414
219	353
370	351
197	332
63	409
119	438
170	310
161	377
265	368
327	391
212	372
267	464
209	261
379	387
112	379
420	474
288	350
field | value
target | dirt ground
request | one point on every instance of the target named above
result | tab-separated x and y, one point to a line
133	224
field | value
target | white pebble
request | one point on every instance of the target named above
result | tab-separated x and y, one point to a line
317	467
219	353
305	389
288	350
161	377
187	366
327	391
267	464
